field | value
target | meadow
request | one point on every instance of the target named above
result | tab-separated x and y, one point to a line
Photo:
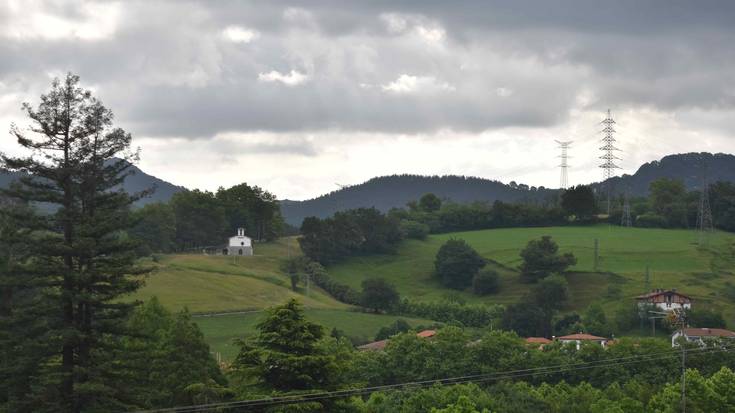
673	257
247	285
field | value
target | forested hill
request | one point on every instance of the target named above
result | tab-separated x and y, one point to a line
396	190
386	192
137	182
687	167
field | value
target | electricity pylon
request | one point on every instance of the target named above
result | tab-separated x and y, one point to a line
563	178
608	154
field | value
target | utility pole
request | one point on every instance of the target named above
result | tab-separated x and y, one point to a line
608	155
563	179
596	262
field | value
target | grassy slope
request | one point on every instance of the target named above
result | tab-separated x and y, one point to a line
672	255
219	330
219	284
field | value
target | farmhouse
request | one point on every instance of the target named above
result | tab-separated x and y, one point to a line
665	300
578	339
700	335
539	342
239	244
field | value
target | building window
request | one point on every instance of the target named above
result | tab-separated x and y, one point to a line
242	243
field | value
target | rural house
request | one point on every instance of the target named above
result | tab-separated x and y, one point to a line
665	300
700	335
239	244
577	339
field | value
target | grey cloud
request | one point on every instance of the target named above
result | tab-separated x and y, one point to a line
168	72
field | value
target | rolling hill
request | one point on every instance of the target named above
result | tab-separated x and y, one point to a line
395	191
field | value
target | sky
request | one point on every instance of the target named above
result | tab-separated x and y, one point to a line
300	96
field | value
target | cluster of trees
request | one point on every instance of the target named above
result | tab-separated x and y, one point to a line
290	355
348	233
432	215
670	205
68	342
193	219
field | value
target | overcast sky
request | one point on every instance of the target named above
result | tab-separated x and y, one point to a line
297	96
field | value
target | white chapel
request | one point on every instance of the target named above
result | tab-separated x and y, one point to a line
239	244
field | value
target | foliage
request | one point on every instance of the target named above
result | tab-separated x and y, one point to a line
81	256
155	228
252	208
378	294
705	318
414	230
449	312
429	203
353	232
541	259
579	201
457	263
668	199
486	281
595	321
200	219
398	326
650	221
284	355
722	201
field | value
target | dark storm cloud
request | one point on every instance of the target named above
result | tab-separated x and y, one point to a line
168	71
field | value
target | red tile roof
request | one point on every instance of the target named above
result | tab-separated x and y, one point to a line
581	336
709	332
426	333
657	293
537	340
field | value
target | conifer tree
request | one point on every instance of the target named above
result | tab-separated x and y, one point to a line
81	257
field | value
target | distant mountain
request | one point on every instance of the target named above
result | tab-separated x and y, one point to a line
690	168
387	192
395	191
137	182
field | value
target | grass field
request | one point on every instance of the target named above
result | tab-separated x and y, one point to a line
221	330
673	256
210	284
219	283
215	284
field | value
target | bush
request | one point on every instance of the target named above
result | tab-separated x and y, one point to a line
399	326
650	221
474	315
706	318
414	230
457	263
541	258
378	294
486	281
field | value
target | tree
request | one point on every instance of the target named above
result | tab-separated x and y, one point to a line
200	219
541	258
284	354
76	162
551	293
486	281
579	201
430	203
668	199
457	263
253	208
155	228
378	294
595	320
706	318
414	230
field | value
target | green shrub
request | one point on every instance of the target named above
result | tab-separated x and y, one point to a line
485	282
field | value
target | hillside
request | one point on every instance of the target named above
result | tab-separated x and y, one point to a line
388	192
236	290
674	259
690	168
134	183
396	190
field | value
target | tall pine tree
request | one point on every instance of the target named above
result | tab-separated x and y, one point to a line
81	260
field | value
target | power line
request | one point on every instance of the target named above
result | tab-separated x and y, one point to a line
564	146
309	397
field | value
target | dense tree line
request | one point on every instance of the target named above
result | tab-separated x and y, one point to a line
670	205
195	219
348	233
290	355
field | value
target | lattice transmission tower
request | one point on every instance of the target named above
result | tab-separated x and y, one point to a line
564	166
626	221
705	224
608	155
